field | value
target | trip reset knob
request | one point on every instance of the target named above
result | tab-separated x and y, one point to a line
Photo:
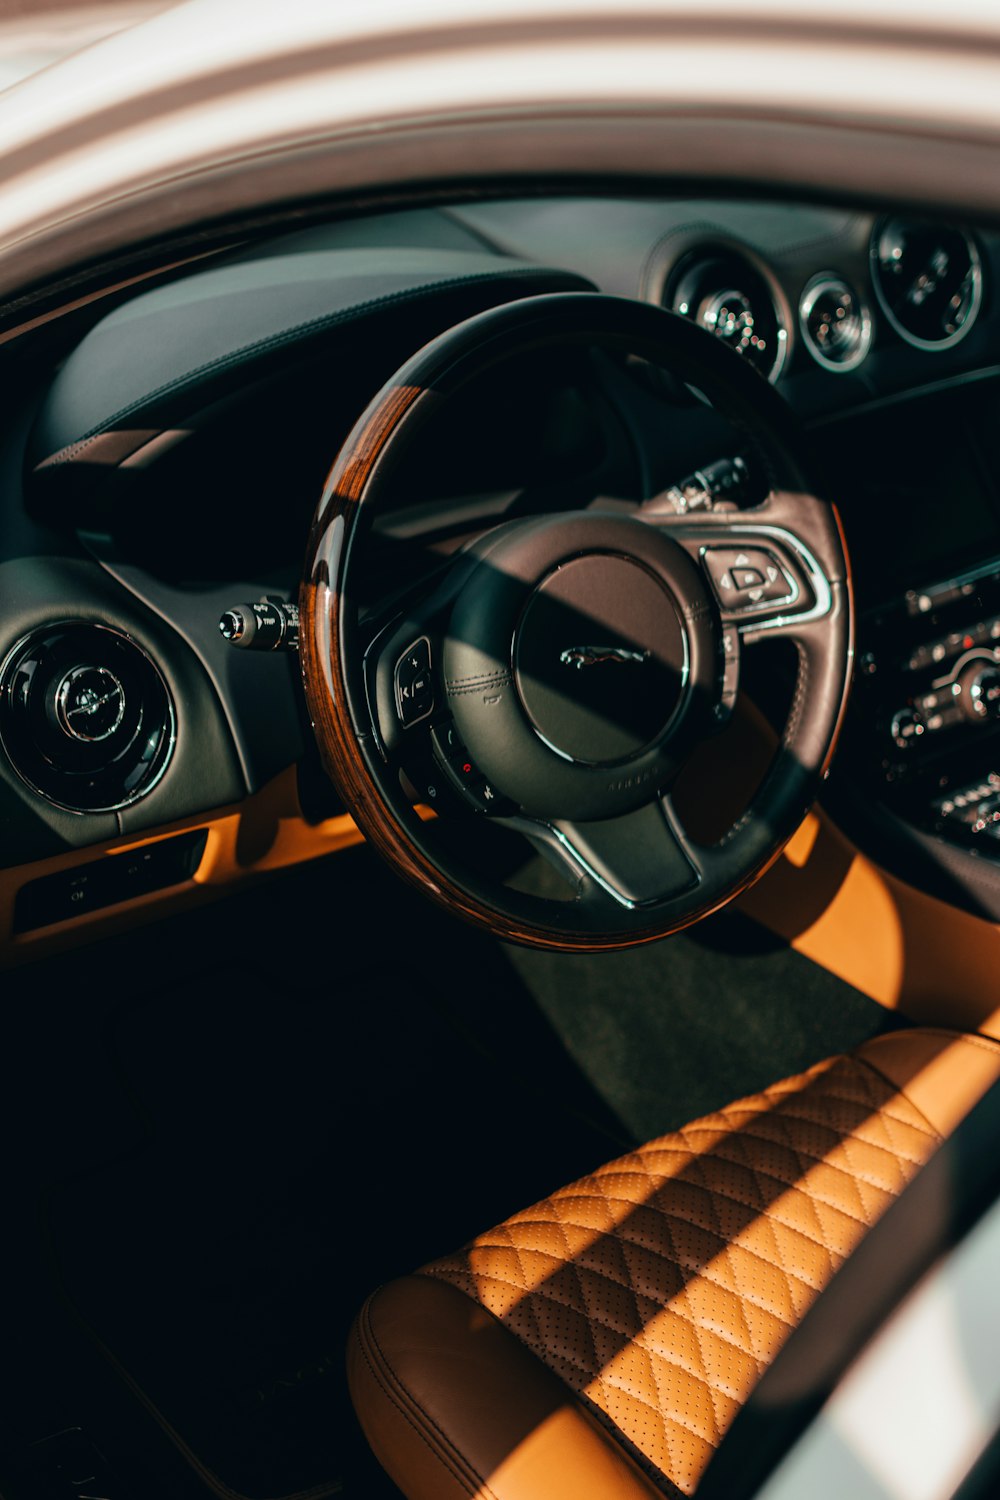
267	625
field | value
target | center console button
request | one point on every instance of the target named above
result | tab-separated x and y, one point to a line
983	691
922	601
907	727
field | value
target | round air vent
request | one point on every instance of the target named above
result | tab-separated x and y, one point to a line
85	716
928	280
721	288
836	325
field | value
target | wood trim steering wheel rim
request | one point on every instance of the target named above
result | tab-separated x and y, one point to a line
347	737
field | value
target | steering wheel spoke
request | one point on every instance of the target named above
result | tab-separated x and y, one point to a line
642	858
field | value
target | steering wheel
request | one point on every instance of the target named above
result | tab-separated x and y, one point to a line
557	673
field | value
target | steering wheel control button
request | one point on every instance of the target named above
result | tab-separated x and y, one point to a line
471	782
414	684
748	578
85	716
447	742
460	769
90	703
730	648
601	659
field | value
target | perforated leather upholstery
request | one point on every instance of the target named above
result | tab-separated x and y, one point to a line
660	1287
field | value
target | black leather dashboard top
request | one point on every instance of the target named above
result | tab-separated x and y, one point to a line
150	367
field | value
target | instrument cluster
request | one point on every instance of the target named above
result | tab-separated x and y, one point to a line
925	284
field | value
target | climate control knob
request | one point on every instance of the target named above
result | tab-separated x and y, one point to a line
980	684
906	728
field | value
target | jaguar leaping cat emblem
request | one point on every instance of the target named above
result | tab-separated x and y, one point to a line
594	656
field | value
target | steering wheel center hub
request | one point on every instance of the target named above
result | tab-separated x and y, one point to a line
579	660
601	659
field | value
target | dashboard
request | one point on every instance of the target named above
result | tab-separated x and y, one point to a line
167	447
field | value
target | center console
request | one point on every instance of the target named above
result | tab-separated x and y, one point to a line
921	502
928	696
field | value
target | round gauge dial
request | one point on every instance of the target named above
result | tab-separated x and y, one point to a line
928	279
836	325
730	316
724	292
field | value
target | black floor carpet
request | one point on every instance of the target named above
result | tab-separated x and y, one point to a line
669	1032
294	1144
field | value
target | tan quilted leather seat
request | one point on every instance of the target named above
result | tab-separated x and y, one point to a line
602	1342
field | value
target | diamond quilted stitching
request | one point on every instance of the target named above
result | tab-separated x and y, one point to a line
661	1286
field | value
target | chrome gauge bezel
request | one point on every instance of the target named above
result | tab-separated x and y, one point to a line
929	346
826	281
661	272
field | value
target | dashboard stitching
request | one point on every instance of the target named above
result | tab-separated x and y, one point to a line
767	253
654	255
816	242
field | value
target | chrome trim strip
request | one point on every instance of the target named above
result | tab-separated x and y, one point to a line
538	830
587	869
972	575
990	654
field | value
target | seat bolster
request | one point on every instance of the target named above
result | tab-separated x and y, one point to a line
942	1073
426	1364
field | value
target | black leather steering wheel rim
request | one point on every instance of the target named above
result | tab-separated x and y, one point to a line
348	707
